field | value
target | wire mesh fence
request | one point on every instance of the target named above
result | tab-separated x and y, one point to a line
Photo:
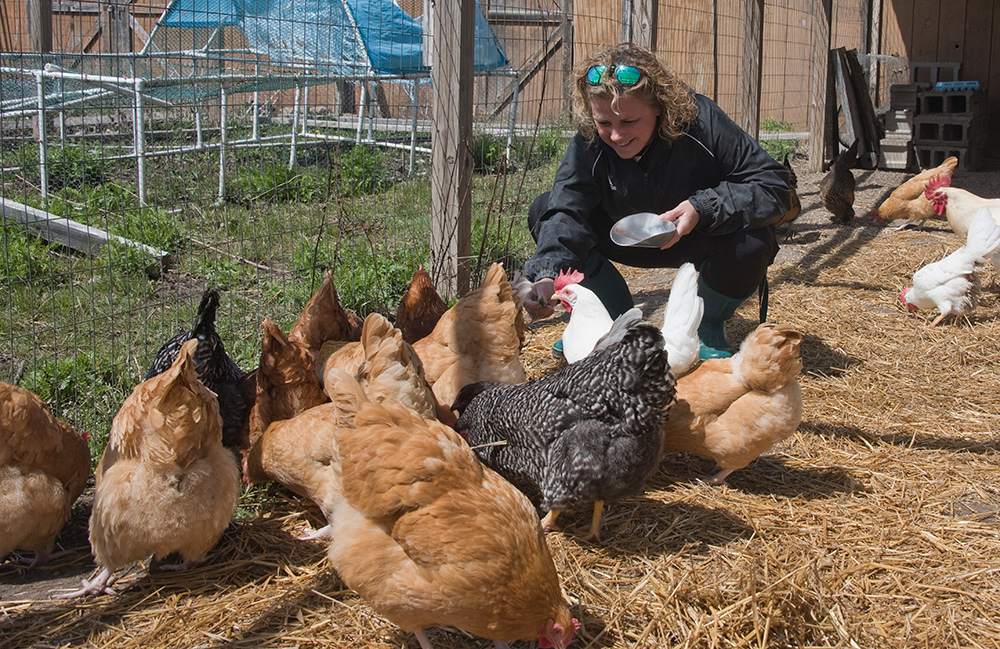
184	146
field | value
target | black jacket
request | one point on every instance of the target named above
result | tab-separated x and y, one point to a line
732	182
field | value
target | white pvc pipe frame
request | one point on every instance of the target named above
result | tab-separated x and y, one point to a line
134	87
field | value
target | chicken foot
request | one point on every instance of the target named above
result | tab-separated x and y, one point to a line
719	478
549	522
100	584
322	534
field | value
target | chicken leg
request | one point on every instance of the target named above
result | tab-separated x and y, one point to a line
595	522
549	522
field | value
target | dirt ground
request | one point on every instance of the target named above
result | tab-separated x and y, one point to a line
814	244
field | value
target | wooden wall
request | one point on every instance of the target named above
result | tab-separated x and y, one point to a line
959	31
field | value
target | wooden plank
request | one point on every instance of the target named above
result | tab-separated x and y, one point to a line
819	96
864	110
753	52
451	144
69	233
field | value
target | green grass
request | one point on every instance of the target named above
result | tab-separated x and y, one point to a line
83	330
778	149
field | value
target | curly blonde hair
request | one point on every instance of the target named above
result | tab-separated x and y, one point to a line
658	86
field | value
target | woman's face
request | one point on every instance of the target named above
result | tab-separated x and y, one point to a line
628	130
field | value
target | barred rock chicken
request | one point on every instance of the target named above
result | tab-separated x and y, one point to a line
908	201
44	467
420	308
322	319
215	368
795	205
587	434
836	189
287	383
734	409
165	483
475	340
952	285
428	536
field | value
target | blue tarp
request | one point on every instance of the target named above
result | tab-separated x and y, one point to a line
341	37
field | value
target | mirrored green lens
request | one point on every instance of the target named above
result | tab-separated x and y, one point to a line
595	74
627	75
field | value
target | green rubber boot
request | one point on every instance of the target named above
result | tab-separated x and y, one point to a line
601	277
712	330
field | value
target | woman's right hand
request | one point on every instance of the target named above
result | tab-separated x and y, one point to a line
684	217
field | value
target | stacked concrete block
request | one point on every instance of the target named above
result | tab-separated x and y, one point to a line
896	148
950	123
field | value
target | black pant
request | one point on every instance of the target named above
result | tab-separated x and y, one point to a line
732	264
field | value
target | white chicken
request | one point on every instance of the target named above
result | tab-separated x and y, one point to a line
952	285
959	207
588	320
681	318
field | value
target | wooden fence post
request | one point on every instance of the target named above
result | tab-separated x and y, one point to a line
822	12
451	144
39	16
753	53
645	16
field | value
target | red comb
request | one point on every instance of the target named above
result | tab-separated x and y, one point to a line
930	192
934	184
564	279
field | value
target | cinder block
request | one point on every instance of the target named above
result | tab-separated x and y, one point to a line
967	102
948	129
899	122
969	158
903	96
895	153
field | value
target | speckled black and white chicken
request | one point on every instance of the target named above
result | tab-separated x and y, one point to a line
216	370
587	434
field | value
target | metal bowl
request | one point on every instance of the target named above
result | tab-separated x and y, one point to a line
642	230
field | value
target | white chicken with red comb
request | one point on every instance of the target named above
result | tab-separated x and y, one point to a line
952	284
959	207
588	317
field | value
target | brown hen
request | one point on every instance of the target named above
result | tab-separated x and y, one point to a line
420	308
323	318
428	536
286	380
836	189
165	484
908	201
734	409
44	467
475	340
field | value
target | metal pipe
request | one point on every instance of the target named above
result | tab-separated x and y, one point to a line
222	145
295	125
139	128
43	153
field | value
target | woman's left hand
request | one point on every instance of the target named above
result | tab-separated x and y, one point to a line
684	217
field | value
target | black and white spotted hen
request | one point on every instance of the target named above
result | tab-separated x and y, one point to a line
216	370
587	434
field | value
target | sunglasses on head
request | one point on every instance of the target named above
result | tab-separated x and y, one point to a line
625	74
